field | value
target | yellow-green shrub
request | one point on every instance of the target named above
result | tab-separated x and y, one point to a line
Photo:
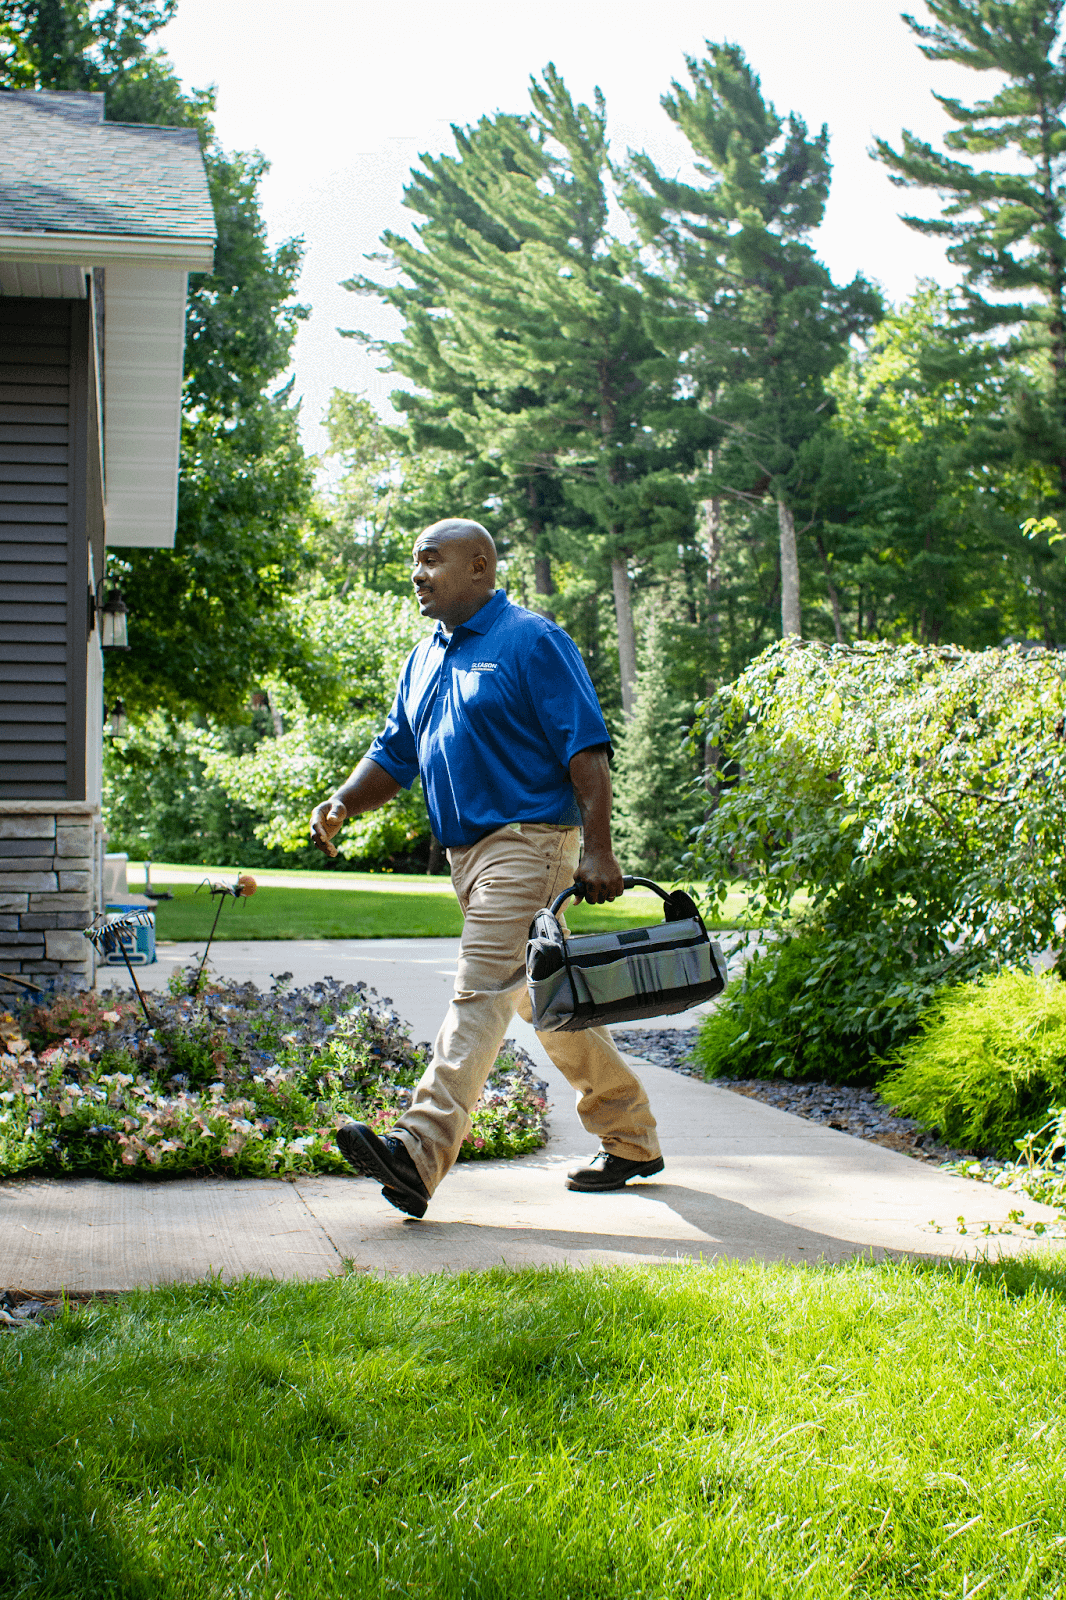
988	1061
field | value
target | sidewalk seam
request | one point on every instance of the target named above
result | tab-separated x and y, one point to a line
318	1224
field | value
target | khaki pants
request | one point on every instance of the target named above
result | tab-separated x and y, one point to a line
502	882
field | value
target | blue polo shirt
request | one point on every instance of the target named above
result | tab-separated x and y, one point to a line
489	719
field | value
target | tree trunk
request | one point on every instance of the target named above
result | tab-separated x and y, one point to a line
1049	637
275	714
790	577
834	598
436	856
712	539
544	584
627	644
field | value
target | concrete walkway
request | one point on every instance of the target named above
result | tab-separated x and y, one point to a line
741	1180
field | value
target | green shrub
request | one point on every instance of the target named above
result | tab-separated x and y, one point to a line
917	797
989	1059
772	1024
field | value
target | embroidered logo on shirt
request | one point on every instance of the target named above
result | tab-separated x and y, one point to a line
483	666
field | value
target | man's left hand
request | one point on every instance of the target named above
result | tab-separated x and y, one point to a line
600	876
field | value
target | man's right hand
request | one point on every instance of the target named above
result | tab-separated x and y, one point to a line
368	787
326	820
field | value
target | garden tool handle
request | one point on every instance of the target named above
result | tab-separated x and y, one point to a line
578	891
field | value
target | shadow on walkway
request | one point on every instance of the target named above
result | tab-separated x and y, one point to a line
727	1228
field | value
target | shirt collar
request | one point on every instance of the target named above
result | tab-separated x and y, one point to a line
483	618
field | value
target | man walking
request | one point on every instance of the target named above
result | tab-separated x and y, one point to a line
497	715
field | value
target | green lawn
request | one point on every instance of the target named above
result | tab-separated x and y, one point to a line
294	875
276	913
684	1433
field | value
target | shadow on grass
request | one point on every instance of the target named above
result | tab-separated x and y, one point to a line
57	1538
1015	1277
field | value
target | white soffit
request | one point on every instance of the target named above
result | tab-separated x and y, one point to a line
145	287
144	349
42	280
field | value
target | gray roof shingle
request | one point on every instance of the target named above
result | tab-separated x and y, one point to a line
63	169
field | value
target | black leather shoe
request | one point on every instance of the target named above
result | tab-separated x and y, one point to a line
606	1171
384	1158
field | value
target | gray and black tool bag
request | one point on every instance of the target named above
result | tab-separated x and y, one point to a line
593	978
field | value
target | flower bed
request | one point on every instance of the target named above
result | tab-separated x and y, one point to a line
233	1081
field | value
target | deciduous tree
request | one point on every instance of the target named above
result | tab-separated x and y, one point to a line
206	617
920	499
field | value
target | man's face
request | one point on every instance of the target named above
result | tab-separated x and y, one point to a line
448	577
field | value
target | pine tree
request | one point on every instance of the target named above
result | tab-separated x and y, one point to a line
655	804
1006	225
751	314
524	330
1006	228
471	195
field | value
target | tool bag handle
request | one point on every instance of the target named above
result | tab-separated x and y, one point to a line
628	882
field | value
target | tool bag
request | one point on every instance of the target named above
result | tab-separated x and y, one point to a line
593	978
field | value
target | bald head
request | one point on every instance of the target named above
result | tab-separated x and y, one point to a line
454	570
457	530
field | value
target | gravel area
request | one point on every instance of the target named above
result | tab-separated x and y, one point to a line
859	1112
663	1047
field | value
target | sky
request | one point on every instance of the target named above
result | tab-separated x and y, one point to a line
342	96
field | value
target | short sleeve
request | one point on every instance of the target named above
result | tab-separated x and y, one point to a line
563	698
394	749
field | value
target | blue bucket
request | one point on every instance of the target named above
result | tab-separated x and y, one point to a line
139	942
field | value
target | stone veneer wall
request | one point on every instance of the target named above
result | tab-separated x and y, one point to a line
51	886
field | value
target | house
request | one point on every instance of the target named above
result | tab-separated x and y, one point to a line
100	225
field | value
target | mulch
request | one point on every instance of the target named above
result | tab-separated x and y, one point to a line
857	1111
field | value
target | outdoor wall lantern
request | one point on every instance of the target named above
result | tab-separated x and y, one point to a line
116	720
113	622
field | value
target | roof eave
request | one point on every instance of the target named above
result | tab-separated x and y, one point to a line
99	249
